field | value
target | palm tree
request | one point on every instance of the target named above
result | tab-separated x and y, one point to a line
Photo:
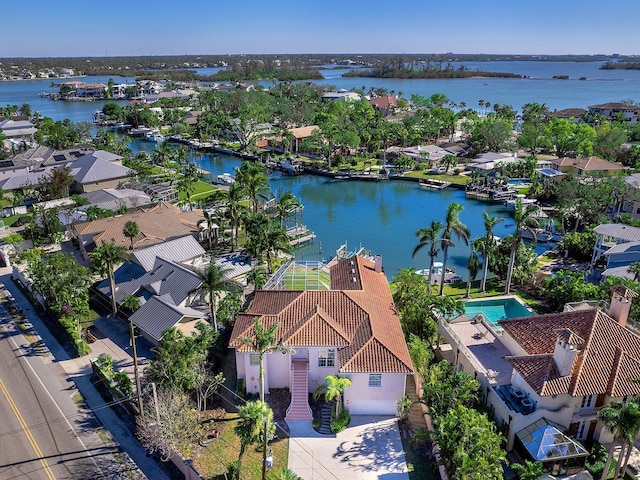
131	230
525	220
253	418
621	420
275	240
253	178
262	342
213	282
332	390
104	260
486	245
634	268
428	237
473	265
187	184
287	203
257	277
528	470
453	226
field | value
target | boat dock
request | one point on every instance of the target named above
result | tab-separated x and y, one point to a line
299	235
433	183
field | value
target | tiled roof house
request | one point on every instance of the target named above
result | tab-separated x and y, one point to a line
350	330
561	367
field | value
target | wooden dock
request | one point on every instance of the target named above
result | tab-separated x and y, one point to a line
299	235
433	183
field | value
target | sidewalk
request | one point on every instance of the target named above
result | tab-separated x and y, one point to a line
79	371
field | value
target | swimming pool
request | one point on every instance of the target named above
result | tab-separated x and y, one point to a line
497	309
519	182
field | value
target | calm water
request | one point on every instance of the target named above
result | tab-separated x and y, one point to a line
384	216
380	216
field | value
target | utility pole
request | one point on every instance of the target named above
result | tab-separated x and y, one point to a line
135	367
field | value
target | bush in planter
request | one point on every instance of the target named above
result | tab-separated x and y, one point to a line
340	423
123	382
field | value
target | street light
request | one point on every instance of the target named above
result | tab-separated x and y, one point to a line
135	366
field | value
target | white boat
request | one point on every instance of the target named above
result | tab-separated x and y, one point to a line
225	179
140	131
523	199
155	136
450	275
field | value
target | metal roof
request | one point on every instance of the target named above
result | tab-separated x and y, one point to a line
178	250
156	316
627	247
96	167
619	231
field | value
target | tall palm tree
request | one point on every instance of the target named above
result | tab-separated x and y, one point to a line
213	282
453	226
275	240
131	231
262	342
486	245
332	389
621	420
287	203
252	176
525	220
429	237
253	417
104	260
473	265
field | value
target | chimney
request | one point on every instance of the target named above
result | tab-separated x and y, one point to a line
378	263
621	298
565	350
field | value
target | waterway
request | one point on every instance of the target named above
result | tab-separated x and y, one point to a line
384	216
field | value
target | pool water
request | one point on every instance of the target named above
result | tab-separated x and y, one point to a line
519	182
497	309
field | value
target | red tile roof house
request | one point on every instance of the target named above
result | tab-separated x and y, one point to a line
350	330
560	367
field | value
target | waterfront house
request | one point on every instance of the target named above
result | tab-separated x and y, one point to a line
386	104
575	115
583	166
157	224
617	111
341	95
299	134
556	369
17	128
97	170
616	240
350	329
92	90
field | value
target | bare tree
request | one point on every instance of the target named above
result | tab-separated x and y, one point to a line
206	382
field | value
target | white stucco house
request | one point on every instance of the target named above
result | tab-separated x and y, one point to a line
551	372
350	330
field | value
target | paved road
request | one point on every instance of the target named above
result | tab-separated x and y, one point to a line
43	434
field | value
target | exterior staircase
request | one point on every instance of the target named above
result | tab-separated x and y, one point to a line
325	417
299	407
416	415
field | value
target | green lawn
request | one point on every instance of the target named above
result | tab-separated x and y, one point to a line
213	461
456	179
202	189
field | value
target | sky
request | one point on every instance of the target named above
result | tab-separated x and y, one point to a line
44	28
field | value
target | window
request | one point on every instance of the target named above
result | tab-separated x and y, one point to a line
254	359
327	357
580	433
375	379
587	402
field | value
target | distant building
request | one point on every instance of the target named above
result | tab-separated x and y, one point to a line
617	111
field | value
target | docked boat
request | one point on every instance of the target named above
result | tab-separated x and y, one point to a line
299	234
155	136
541	236
433	183
523	199
450	275
139	132
225	179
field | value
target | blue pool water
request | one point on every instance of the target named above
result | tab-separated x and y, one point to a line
497	309
519	181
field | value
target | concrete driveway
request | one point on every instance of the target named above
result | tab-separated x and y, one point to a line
369	449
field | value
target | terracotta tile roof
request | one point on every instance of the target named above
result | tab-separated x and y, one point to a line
589	164
624	292
359	319
607	354
385	101
156	225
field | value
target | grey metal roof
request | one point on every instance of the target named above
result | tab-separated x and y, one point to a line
156	316
96	167
628	247
619	231
113	199
236	265
633	180
165	277
620	272
178	250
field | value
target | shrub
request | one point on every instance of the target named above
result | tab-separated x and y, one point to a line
340	423
123	382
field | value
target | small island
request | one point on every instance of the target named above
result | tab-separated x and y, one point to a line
398	67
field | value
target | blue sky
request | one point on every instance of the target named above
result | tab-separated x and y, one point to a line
34	28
